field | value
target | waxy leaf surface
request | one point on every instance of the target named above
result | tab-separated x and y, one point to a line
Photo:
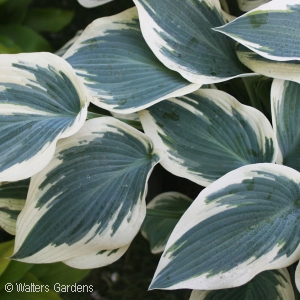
179	32
285	97
91	195
41	100
242	224
272	30
118	68
208	133
268	285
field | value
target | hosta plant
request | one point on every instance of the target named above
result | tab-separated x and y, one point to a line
165	63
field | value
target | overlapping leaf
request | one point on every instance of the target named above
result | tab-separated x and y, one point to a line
12	201
163	213
179	33
207	134
242	224
92	3
285	97
246	5
97	260
90	197
41	100
272	30
297	277
287	70
268	285
117	66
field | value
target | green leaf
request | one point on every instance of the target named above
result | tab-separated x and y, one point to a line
92	3
268	285
272	30
96	260
6	249
208	133
32	289
25	38
163	213
51	274
14	11
246	5
285	96
118	68
12	201
90	197
14	272
41	100
288	70
49	19
242	224
7	45
179	33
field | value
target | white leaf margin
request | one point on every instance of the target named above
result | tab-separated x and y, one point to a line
200	211
9	74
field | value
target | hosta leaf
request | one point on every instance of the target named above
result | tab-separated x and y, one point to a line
92	3
163	213
246	5
25	38
89	197
297	277
207	134
285	97
179	33
14	272
60	52
287	70
96	260
268	285
6	249
12	201
272	30
41	100
119	69
51	274
242	224
48	19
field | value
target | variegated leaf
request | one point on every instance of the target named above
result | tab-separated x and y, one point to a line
60	52
285	97
163	213
92	3
117	66
287	70
179	33
242	224
12	201
272	30
91	196
41	100
268	285
207	134
246	5
97	260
